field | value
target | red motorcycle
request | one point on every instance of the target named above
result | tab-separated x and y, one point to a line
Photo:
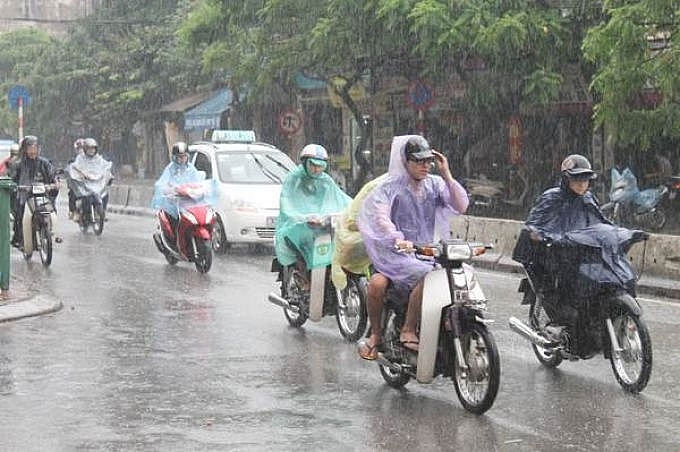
189	237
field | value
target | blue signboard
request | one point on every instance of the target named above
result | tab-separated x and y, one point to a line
16	92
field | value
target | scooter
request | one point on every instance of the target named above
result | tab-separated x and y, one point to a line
454	339
631	207
188	238
584	304
90	189
313	296
38	222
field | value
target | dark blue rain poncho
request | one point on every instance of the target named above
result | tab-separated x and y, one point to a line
588	252
303	197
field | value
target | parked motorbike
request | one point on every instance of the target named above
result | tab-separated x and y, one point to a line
487	196
455	341
582	302
631	207
90	189
313	296
188	238
38	222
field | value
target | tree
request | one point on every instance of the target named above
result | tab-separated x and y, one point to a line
638	71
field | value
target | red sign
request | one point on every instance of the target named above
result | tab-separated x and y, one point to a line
515	139
290	121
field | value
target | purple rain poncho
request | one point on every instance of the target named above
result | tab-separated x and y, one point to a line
302	197
172	177
398	210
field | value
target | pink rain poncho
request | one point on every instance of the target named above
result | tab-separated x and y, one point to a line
398	210
303	197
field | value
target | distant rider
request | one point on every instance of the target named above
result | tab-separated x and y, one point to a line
10	160
78	149
308	195
405	209
31	169
179	171
89	171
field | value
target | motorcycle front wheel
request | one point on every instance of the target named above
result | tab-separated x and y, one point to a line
98	219
351	314
204	254
292	291
45	242
477	386
632	364
538	319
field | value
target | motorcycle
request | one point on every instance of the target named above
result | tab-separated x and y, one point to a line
38	222
586	304
455	340
90	188
629	206
313	296
188	238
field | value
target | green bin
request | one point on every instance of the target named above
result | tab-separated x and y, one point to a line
7	187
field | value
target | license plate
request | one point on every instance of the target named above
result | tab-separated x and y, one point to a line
271	222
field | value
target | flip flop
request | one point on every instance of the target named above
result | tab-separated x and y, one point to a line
368	352
410	345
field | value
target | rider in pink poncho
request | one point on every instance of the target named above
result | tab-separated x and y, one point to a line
407	208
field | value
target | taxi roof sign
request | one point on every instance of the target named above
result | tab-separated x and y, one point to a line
233	136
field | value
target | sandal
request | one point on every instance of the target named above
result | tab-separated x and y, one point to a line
368	352
410	345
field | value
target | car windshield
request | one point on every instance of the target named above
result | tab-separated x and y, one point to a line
253	167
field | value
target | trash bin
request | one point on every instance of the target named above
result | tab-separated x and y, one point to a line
7	187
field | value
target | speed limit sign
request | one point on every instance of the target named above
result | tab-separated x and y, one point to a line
290	121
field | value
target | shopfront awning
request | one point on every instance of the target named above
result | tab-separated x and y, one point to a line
206	115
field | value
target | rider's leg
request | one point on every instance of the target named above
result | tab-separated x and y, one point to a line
377	286
415	301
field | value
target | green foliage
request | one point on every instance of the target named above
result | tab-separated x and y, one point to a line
634	59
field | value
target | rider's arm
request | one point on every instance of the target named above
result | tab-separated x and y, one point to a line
457	195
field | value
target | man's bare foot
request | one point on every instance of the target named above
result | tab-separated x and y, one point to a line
409	340
368	348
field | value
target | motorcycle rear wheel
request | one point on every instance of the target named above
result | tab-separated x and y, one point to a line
477	388
656	219
538	319
632	366
351	314
204	254
291	290
45	243
394	378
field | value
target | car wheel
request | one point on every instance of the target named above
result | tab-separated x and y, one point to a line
219	238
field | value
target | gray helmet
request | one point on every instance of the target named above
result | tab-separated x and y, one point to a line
179	148
577	166
90	143
417	148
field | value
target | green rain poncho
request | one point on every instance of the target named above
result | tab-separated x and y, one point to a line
304	197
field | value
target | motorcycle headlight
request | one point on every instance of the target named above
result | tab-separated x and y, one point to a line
458	251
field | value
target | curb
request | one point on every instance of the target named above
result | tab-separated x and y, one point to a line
28	307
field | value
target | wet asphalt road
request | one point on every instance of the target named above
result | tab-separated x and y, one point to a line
145	356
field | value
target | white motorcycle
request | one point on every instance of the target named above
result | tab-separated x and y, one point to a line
454	338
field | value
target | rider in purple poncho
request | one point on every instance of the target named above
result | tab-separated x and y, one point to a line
406	209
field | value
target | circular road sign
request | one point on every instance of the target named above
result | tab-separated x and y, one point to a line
290	121
419	95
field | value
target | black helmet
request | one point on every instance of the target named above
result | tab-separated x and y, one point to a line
577	166
179	148
28	140
417	148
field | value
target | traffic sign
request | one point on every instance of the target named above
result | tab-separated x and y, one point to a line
16	92
290	121
419	95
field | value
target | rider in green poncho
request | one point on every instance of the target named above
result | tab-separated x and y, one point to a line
308	196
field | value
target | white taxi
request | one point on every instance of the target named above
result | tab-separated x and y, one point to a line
249	175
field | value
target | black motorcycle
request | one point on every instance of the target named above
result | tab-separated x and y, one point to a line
580	290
